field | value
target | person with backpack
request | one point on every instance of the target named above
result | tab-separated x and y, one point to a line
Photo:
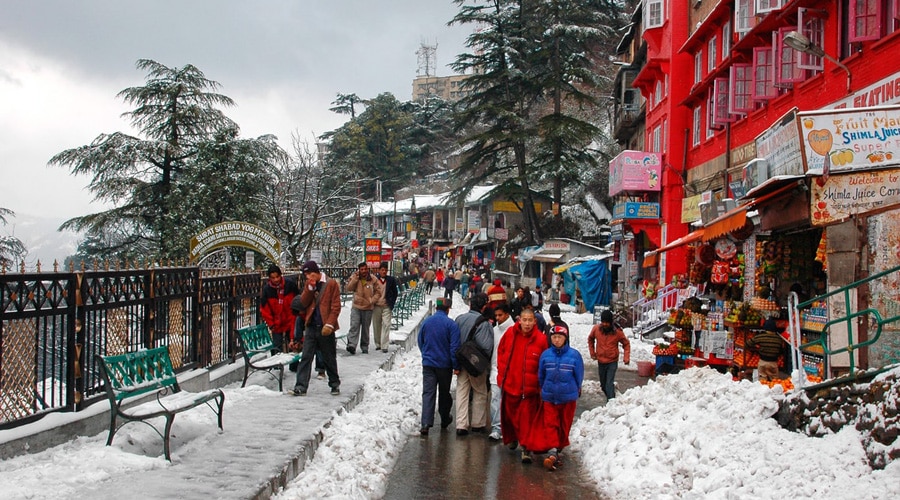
473	325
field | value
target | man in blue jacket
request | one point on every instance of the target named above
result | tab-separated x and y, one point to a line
438	340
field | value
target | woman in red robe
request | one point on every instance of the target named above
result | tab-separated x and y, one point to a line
518	358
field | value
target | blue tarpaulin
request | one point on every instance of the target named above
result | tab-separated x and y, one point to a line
593	280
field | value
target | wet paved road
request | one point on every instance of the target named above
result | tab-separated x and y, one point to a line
446	466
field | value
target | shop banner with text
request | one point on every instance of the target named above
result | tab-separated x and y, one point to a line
845	195
850	139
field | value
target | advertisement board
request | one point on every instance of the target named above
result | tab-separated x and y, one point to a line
845	195
850	139
634	171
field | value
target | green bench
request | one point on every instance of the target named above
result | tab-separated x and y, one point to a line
138	373
256	346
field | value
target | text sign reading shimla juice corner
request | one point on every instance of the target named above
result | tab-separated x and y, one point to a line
851	139
844	195
634	171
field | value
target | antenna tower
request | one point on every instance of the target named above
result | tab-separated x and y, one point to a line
427	58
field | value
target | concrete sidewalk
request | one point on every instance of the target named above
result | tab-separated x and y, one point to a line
268	436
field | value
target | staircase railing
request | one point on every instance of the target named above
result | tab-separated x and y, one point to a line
650	314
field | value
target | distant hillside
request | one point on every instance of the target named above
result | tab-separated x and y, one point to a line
43	241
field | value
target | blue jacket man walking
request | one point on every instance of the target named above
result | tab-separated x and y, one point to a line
438	340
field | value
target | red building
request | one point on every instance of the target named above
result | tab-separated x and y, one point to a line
739	97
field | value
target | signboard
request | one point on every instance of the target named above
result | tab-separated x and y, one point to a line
850	139
690	209
316	255
634	171
779	145
513	207
598	310
474	221
556	246
373	252
883	92
501	233
235	234
460	224
636	210
843	196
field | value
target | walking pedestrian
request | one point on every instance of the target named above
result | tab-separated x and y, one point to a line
366	292
438	342
321	306
275	307
503	322
429	279
603	345
518	359
561	372
449	286
473	325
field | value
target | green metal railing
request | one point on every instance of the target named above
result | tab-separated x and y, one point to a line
822	343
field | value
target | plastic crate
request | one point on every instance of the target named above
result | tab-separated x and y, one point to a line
664	360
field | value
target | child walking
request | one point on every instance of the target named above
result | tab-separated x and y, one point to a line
560	372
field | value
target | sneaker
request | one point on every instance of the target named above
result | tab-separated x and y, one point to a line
495	436
351	349
297	392
321	376
550	463
335	391
526	457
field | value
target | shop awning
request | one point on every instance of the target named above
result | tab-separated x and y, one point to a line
652	258
736	218
547	257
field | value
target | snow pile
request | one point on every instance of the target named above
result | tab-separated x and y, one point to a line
698	434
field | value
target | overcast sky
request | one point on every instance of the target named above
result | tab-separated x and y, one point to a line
62	62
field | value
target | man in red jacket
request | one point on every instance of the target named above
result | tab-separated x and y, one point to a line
518	358
275	307
603	345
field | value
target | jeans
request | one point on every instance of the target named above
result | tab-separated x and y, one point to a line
359	328
314	341
495	409
381	326
464	290
607	372
436	382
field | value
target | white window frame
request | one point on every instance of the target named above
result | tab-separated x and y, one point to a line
655	142
721	99
654	14
695	129
744	16
698	67
764	6
711	53
663	134
726	40
812	26
874	32
658	92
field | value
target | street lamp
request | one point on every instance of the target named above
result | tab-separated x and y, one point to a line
802	44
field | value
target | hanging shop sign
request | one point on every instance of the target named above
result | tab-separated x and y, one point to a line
846	195
373	252
634	171
235	234
636	210
850	139
690	209
779	146
474	221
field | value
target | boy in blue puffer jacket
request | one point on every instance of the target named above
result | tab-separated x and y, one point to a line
561	372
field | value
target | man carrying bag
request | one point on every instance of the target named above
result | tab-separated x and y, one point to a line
474	355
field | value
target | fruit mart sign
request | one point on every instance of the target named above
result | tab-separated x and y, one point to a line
851	139
846	195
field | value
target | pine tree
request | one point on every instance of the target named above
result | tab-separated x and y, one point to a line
11	248
148	179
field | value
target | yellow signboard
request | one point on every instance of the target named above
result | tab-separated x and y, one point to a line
690	209
235	234
509	206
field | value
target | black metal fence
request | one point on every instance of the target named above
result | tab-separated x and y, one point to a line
53	326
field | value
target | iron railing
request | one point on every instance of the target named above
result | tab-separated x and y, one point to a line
54	325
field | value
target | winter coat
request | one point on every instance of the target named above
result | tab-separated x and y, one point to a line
329	302
365	293
390	292
439	276
607	346
518	359
275	306
438	341
768	344
561	372
429	276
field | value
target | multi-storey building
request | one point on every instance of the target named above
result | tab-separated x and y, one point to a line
780	113
448	88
